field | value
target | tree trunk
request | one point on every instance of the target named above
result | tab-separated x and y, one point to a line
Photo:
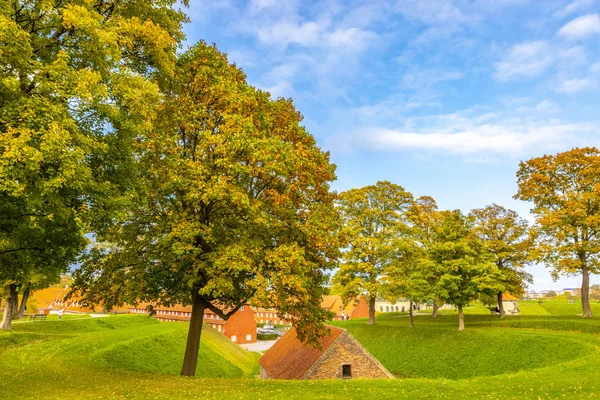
24	299
585	290
436	308
15	303
9	291
193	340
461	319
371	311
500	305
410	314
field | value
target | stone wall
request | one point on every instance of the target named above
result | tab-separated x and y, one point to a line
347	350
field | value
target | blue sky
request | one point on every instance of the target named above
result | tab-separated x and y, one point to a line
443	97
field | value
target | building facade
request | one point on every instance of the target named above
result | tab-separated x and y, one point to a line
240	328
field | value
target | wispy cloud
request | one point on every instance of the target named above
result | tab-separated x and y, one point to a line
575	6
581	27
527	59
489	136
576	85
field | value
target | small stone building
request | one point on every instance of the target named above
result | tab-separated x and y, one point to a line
341	356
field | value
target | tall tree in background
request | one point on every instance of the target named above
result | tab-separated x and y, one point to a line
565	191
460	263
373	219
404	278
233	203
505	235
74	82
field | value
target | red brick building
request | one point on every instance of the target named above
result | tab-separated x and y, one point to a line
239	328
340	356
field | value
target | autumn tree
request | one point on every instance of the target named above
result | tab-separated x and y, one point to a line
506	237
75	79
565	192
459	264
231	204
373	217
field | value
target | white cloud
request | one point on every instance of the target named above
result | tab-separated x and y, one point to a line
576	85
575	6
516	129
526	59
581	27
499	138
288	32
352	38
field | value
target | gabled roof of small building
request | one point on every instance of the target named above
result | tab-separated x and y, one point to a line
289	358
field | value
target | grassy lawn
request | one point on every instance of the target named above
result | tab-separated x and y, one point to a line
529	356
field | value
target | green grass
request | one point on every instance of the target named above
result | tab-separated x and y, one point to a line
435	349
120	357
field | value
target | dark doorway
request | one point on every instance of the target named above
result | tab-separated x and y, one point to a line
346	371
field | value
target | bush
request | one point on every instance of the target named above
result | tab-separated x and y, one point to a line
267	336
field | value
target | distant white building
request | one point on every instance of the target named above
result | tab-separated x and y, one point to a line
571	291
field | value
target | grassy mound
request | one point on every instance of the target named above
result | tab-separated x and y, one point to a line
438	350
163	353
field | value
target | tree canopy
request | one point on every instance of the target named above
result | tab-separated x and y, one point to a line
506	237
458	264
565	192
231	203
374	217
75	78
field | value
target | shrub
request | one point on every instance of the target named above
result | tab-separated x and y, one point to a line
267	336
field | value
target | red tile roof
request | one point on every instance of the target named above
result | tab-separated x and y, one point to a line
289	358
509	297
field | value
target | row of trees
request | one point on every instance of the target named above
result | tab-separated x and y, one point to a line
405	247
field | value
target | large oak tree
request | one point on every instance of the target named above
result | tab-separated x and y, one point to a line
230	203
565	192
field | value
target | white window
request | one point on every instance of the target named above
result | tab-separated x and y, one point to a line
248	337
242	308
234	338
219	328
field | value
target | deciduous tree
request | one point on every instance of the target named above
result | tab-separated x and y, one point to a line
404	278
75	79
506	237
231	203
565	192
460	263
374	218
